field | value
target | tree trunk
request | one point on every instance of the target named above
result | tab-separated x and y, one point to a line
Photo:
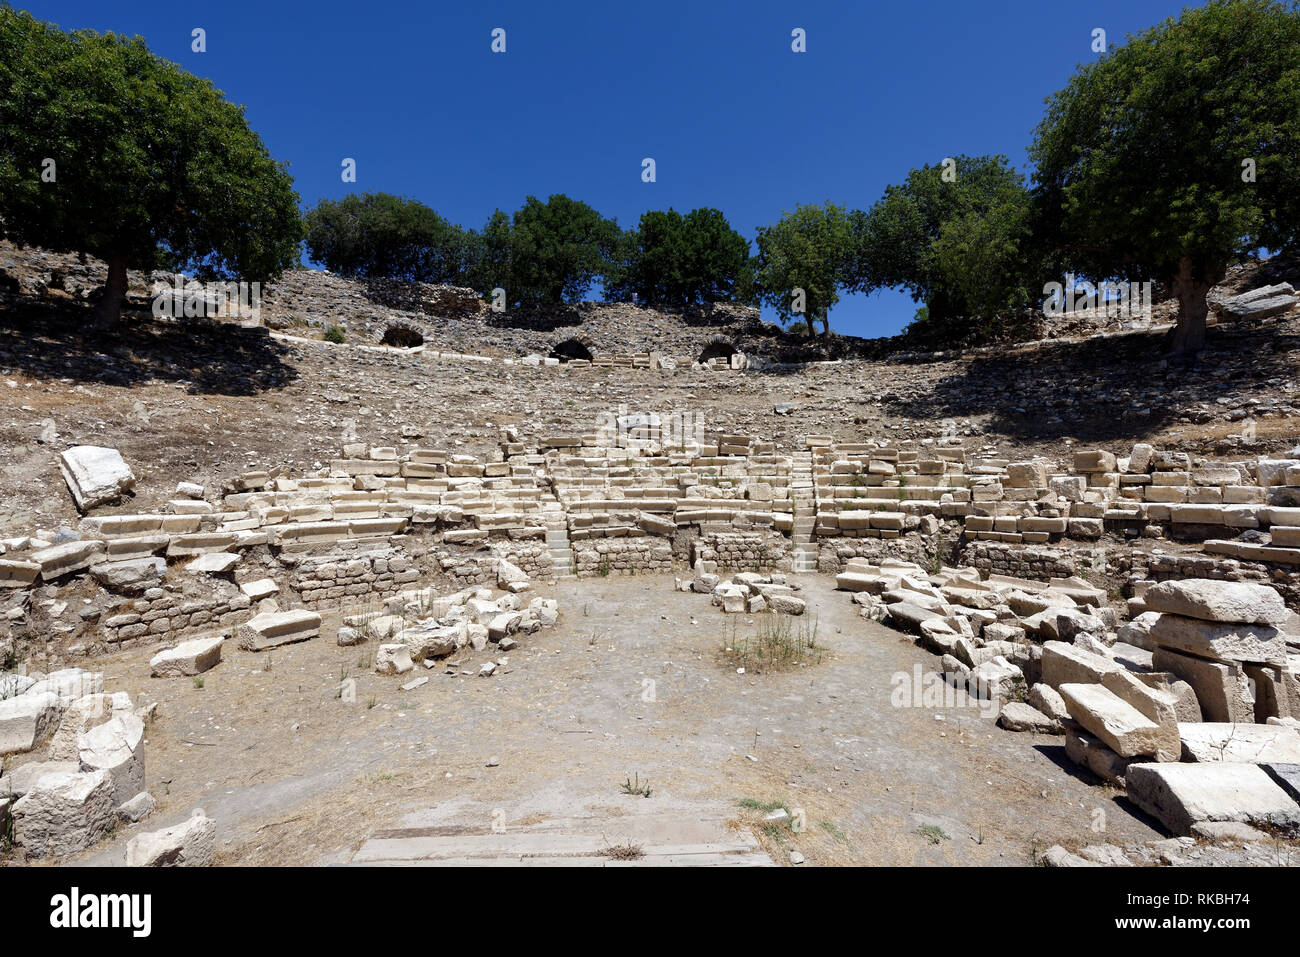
109	310
1191	289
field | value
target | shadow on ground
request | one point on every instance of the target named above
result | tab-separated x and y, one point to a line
51	341
1105	389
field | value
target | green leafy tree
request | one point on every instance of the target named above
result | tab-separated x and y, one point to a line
803	261
380	235
491	268
557	249
957	236
683	260
145	155
1145	157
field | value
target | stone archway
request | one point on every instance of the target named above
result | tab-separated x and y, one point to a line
401	336
571	349
718	349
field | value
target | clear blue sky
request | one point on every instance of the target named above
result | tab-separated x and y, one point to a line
712	91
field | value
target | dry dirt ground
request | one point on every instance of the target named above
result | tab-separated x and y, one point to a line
295	774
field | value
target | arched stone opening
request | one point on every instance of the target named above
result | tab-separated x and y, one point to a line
402	337
718	349
571	349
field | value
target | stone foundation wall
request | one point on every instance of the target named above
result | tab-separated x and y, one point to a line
744	551
343	576
833	554
479	567
1022	561
162	615
624	556
1138	565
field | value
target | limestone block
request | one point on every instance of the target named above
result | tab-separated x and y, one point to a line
192	844
116	747
95	475
1180	795
191	657
65	812
1223	601
269	630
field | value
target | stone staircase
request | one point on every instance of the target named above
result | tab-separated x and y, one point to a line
558	544
804	497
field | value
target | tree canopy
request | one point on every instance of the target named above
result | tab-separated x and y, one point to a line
377	234
679	260
803	261
1175	154
557	250
956	236
108	149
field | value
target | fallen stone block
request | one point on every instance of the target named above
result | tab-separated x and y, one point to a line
95	475
272	629
1231	832
1211	600
191	657
393	659
20	780
59	560
11	686
787	604
1158	706
1057	856
506	623
1252	743
213	563
116	747
909	617
1018	716
1048	700
509	574
1218	641
192	844
1180	795
137	808
81	715
1186	707
1088	752
65	812
997	678
70	684
26	719
262	588
18	573
1222	688
130	577
1094	460
1116	723
1066	664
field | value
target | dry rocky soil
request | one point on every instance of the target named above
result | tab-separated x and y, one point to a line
295	772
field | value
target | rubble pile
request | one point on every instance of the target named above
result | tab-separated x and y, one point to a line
85	772
747	592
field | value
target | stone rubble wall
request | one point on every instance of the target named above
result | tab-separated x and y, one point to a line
161	615
624	498
755	551
624	556
1020	561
